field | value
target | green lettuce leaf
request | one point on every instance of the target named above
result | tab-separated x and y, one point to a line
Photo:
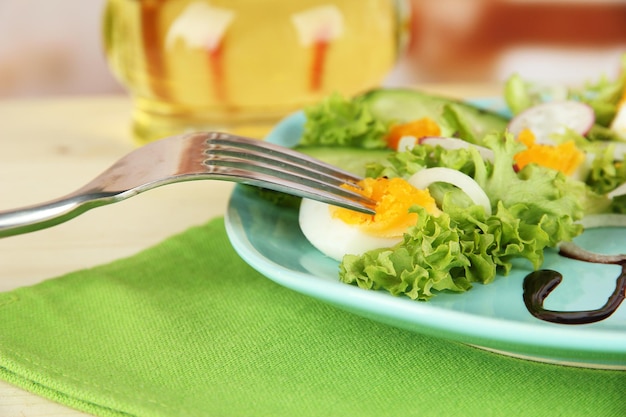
338	121
533	209
599	133
457	122
430	258
521	94
606	173
405	164
602	95
451	251
544	190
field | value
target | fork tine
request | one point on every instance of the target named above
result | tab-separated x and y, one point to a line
281	182
236	166
267	150
272	166
273	160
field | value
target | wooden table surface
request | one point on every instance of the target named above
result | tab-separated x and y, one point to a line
50	147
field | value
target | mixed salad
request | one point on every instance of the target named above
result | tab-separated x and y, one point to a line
493	187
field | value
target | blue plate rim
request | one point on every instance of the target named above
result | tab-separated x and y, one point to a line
494	333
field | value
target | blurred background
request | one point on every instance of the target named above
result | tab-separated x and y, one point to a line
563	41
54	47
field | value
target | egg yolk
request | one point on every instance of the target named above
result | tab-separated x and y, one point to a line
394	197
417	128
564	157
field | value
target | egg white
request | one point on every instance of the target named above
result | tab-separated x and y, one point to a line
333	237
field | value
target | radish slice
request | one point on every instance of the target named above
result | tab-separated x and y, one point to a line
422	179
455	143
552	117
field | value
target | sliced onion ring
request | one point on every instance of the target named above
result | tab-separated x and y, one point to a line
572	250
406	143
422	179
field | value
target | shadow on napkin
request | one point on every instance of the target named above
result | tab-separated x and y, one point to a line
186	328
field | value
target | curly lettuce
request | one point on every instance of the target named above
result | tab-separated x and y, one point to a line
343	122
533	209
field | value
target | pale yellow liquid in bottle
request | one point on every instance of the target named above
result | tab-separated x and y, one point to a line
241	65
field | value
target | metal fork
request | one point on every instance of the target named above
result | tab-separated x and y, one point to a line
196	156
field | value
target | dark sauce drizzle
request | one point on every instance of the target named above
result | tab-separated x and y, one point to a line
539	284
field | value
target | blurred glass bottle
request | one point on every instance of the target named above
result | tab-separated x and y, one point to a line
241	65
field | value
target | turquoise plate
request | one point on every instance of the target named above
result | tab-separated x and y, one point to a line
491	317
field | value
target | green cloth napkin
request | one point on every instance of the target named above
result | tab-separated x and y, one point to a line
188	329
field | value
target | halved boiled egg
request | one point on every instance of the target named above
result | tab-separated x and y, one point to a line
338	231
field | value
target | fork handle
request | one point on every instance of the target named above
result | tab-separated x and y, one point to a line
41	216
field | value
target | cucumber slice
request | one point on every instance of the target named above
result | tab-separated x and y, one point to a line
352	160
403	105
